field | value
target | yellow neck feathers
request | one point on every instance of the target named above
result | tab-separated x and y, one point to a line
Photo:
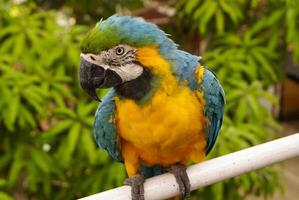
151	59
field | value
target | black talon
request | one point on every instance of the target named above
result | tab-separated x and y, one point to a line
181	177
136	183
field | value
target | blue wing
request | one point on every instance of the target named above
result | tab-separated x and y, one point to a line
104	127
214	108
185	65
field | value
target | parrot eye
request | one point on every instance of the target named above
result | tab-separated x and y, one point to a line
120	51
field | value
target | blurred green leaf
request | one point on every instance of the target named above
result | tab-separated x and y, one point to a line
207	13
58	128
4	196
16	166
68	148
89	146
40	159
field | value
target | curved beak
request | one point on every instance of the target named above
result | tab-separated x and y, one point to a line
93	76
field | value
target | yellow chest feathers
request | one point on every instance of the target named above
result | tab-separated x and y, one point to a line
167	125
167	129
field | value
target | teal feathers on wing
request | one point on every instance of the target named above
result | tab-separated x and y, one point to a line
104	127
214	108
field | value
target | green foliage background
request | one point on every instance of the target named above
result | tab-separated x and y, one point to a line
46	146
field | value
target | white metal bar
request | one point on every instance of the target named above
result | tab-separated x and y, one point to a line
212	171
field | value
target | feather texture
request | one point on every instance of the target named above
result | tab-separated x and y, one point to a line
104	127
214	106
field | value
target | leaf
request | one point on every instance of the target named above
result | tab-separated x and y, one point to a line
6	46
33	177
253	104
206	16
16	166
58	98
40	159
18	49
191	5
8	30
85	109
66	92
35	102
58	128
218	191
241	111
26	117
12	111
89	121
264	23
219	22
5	160
73	53
65	112
70	144
200	10
231	10
4	196
34	94
2	182
265	66
234	95
89	145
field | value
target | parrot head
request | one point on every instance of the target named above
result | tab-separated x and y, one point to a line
108	68
127	54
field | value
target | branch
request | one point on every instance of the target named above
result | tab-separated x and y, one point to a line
212	171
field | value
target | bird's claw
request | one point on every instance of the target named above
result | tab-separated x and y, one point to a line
181	177
137	188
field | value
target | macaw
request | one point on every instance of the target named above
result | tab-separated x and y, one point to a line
164	109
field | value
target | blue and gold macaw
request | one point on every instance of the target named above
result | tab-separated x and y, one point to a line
164	109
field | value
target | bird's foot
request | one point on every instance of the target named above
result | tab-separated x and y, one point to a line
136	183
179	171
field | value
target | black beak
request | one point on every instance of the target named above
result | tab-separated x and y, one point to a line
93	76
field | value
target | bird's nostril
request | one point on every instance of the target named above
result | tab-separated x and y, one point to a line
92	58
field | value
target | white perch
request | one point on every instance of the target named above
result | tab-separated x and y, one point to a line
212	171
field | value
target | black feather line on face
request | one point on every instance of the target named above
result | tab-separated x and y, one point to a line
135	89
130	52
117	62
128	57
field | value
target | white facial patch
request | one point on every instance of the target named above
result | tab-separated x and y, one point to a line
128	72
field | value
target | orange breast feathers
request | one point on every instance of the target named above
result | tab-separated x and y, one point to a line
166	130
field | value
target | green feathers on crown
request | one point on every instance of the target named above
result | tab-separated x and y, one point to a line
96	40
124	30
